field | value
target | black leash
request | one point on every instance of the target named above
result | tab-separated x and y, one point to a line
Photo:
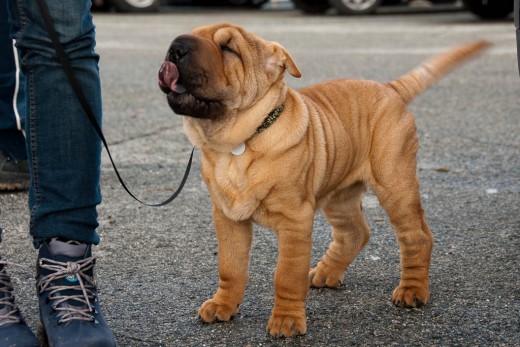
64	60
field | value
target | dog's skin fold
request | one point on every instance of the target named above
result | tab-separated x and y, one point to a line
332	142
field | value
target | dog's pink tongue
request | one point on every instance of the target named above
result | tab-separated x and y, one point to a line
168	76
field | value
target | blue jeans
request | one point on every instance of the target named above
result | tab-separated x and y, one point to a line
63	149
12	98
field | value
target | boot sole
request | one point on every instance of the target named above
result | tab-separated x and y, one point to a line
14	182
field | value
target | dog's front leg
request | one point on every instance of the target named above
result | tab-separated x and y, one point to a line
291	281
234	243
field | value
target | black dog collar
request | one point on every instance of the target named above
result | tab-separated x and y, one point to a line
270	119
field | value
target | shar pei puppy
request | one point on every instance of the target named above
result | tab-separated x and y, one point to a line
273	155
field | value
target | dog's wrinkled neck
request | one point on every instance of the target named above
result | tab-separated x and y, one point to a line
241	126
268	121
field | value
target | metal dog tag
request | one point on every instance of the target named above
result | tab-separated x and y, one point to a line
238	150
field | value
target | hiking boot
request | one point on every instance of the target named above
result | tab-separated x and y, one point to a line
14	175
14	332
69	307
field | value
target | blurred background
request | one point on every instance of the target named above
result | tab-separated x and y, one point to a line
485	9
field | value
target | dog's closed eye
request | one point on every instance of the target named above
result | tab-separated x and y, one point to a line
226	48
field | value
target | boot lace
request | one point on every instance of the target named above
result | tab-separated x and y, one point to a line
9	314
59	295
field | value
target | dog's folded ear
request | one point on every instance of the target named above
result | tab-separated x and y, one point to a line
282	58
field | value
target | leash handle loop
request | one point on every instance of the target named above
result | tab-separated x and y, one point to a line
69	72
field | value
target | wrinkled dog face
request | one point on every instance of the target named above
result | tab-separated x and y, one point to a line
219	69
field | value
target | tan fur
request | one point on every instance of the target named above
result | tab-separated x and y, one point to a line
332	142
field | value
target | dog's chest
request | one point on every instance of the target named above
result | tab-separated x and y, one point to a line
233	185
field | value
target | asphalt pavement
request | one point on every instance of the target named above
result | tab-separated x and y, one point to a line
157	265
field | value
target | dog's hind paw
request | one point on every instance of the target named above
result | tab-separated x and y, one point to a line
211	311
323	276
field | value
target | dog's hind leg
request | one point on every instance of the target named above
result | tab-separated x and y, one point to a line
350	233
394	181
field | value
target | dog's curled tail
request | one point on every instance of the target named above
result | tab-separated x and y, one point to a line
421	78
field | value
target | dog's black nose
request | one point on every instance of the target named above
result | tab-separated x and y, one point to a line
181	47
179	50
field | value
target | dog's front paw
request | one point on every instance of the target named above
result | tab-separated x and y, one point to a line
326	276
211	311
410	296
286	326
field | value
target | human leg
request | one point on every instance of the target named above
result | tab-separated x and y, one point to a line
13	175
64	151
14	170
64	155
